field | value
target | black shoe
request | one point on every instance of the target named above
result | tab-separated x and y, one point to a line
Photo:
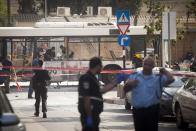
36	114
7	92
30	97
44	115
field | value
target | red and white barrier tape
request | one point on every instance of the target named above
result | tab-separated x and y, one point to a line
71	71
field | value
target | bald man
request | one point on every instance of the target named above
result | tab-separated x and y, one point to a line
146	93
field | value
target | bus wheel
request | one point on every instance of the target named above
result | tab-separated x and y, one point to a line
107	78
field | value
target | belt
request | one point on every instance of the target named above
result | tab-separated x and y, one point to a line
149	107
93	98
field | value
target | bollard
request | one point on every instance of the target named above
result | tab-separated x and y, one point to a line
120	91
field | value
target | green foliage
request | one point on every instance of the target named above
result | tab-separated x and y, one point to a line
3	13
155	10
137	11
3	9
191	6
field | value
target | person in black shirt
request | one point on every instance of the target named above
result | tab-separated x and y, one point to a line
50	54
90	103
39	84
66	53
193	66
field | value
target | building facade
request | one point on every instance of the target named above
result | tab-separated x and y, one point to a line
27	12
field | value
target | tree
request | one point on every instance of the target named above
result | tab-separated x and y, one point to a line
191	6
3	13
191	9
26	6
155	10
137	11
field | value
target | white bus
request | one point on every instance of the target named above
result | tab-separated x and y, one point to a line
84	39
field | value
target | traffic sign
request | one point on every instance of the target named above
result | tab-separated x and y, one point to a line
123	20
124	40
123	17
123	28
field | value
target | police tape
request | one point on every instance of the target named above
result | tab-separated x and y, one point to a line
77	71
175	73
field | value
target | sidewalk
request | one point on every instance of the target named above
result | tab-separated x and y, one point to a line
111	97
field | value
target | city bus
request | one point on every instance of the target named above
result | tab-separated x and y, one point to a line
83	39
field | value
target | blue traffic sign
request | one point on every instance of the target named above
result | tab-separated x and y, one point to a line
124	40
123	17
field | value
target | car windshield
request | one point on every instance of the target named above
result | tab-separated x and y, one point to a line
179	81
5	106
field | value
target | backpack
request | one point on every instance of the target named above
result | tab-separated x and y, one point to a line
2	78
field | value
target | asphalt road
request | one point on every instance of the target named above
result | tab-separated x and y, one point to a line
63	114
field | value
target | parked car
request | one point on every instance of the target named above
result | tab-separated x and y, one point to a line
167	95
193	66
184	104
9	121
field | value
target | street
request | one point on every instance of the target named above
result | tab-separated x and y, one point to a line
63	115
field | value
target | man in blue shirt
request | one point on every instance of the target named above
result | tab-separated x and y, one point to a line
146	93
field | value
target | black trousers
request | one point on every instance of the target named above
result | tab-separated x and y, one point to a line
96	121
40	94
146	119
7	82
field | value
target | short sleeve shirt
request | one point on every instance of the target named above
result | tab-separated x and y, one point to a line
148	90
6	62
41	76
89	86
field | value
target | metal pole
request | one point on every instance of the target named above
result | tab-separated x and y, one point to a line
99	47
145	46
67	49
169	45
124	53
45	10
12	50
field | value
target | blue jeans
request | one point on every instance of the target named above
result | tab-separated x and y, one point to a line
30	91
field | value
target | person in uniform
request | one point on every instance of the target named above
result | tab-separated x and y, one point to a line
90	103
7	70
39	84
